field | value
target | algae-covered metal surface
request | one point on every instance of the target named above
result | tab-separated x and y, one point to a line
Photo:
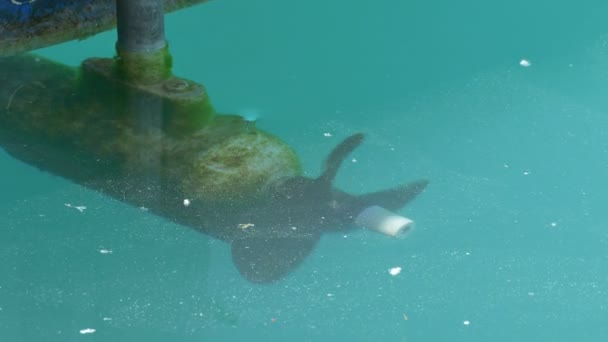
31	24
209	157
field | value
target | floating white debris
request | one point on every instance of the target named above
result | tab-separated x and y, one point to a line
327	134
553	224
105	251
466	323
244	226
531	294
354	160
107	318
186	202
80	208
87	331
525	63
394	271
330	295
526	173
142	208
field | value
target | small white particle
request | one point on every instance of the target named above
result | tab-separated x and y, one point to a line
107	318
531	294
142	208
186	202
244	226
526	173
354	160
105	251
80	208
525	63
466	323
87	331
394	271
505	165
553	224
327	134
467	253
330	295
294	228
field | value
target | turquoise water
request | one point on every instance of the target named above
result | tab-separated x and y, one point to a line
509	243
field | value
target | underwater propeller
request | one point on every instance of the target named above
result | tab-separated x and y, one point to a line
288	229
377	215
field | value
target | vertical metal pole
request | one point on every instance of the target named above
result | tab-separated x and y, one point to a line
141	25
141	35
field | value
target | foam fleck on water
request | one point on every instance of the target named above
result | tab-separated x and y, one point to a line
394	271
80	208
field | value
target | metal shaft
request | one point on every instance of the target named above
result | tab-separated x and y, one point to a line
140	24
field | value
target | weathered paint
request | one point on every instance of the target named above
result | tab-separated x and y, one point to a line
31	24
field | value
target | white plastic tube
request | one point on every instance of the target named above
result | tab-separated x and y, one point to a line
384	221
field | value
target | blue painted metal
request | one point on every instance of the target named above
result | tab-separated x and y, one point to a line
26	14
